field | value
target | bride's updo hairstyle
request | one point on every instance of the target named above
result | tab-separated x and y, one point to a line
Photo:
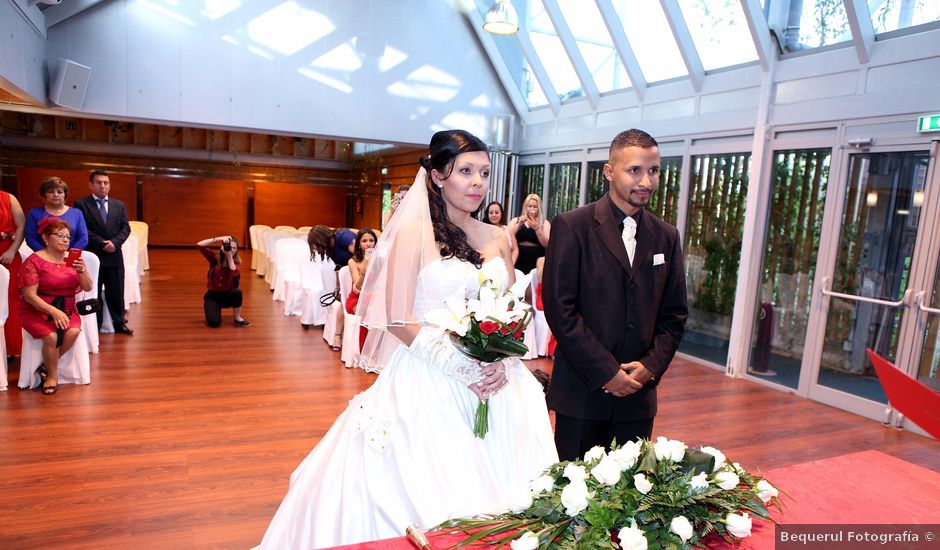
445	146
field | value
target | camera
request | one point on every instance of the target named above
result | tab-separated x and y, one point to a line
227	246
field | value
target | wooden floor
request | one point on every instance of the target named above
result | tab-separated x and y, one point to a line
186	436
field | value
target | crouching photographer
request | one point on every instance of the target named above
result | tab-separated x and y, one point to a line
223	278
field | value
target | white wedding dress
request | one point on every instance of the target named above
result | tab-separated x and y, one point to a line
403	452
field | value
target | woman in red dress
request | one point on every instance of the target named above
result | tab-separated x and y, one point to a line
48	286
365	243
12	222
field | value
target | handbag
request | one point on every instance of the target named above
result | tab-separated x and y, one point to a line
86	307
329	298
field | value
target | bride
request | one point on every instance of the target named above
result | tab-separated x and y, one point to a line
403	452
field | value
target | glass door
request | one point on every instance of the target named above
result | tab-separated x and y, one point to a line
884	242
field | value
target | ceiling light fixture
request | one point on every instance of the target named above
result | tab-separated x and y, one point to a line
501	18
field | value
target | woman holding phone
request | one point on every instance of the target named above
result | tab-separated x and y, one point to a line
531	231
48	282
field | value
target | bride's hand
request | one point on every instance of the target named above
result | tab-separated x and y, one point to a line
494	378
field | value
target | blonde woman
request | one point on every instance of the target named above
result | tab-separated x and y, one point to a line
531	231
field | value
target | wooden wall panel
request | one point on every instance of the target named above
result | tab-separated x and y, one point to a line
181	211
298	205
123	187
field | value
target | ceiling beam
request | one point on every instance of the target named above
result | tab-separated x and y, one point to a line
863	31
570	45
622	44
528	50
680	31
760	33
60	12
499	63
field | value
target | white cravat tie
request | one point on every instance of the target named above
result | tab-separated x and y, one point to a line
629	237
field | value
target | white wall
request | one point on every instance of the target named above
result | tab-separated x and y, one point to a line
388	71
22	51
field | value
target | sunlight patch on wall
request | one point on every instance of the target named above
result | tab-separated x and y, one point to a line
289	27
260	52
215	9
428	83
482	101
476	124
325	79
391	58
341	58
166	11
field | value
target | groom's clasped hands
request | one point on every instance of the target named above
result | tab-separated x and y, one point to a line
494	378
629	379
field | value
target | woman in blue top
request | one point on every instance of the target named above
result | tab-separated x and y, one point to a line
339	246
53	192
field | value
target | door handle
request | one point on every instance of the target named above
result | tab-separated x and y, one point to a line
903	301
919	300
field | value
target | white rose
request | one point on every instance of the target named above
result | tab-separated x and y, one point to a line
520	500
642	484
719	457
541	484
739	525
574	497
766	491
632	538
700	481
669	449
737	468
528	541
596	453
680	525
727	480
627	455
575	472
607	471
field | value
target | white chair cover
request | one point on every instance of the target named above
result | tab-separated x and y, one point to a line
131	271
294	253
286	267
270	251
305	228
254	236
25	251
350	353
4	313
90	322
311	281
543	334
142	231
285	228
528	337
328	272
74	366
261	251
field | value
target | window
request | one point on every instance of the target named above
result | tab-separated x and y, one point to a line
564	188
530	181
719	30
595	44
651	39
551	53
891	15
819	23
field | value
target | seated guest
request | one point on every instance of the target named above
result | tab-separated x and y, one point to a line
363	247
223	279
53	192
337	245
47	285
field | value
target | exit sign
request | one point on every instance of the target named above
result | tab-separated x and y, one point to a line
929	123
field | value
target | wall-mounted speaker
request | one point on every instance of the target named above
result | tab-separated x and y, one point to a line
69	84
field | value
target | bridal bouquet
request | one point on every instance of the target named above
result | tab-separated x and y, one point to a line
487	328
650	495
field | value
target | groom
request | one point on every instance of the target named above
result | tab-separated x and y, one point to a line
615	299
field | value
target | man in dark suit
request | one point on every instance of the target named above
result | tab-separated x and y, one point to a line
108	228
614	297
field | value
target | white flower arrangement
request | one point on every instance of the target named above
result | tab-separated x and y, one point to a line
638	496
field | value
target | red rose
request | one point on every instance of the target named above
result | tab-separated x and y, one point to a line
518	335
488	327
504	331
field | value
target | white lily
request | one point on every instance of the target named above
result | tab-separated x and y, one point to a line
454	316
519	287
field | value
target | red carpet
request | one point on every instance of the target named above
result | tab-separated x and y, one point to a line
866	487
